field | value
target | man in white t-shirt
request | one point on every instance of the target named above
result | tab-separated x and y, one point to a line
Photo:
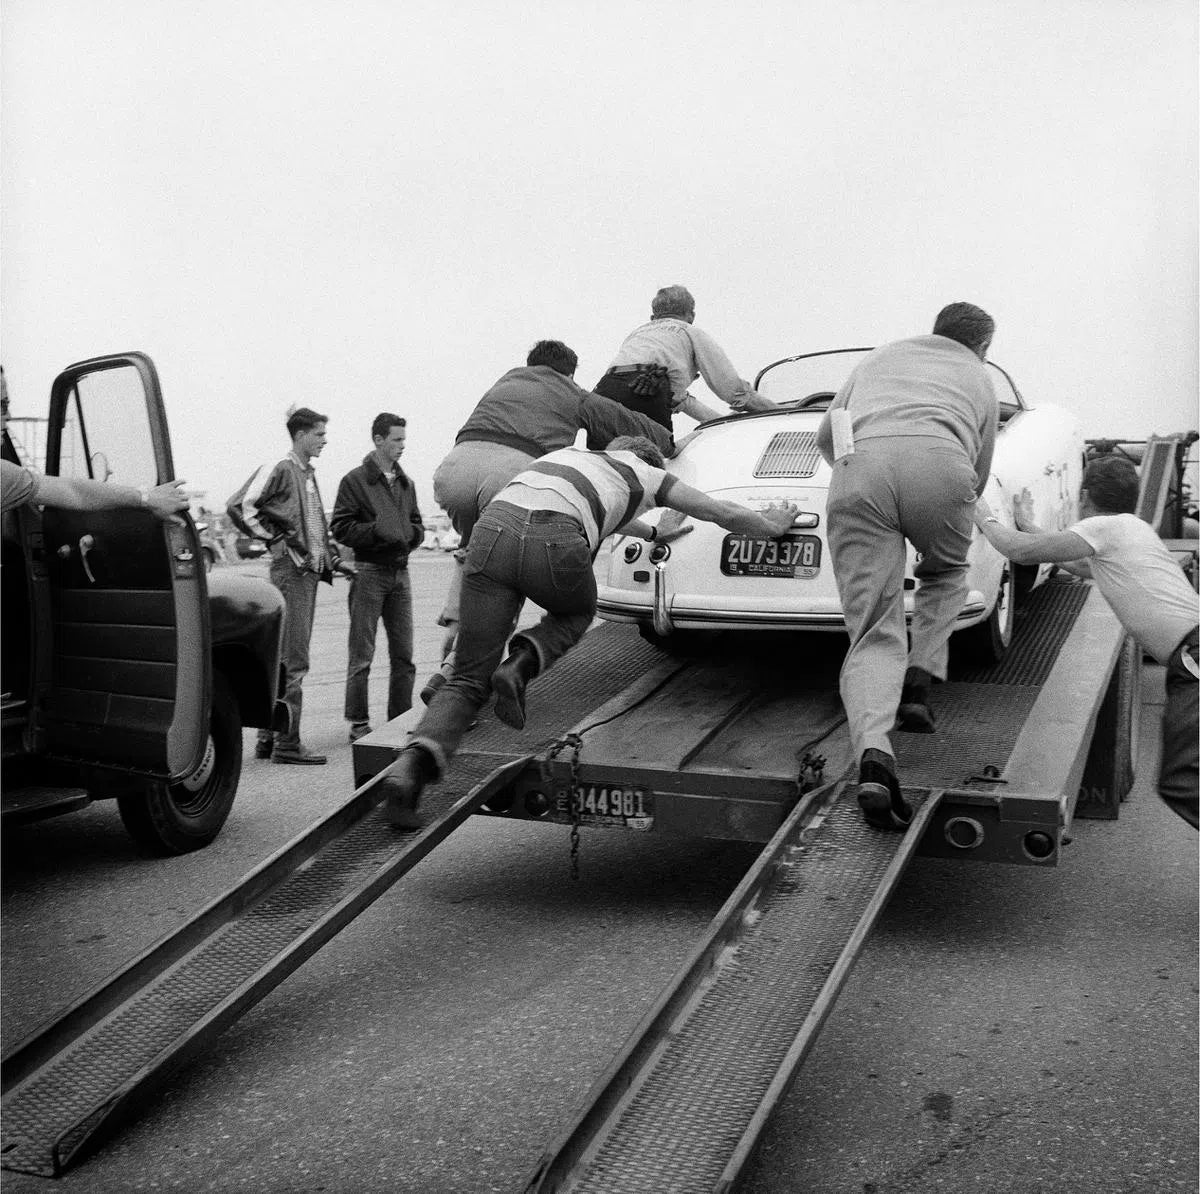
1146	589
537	540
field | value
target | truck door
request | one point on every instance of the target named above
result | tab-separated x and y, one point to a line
122	656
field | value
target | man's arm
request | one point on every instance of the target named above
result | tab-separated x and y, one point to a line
721	377
770	523
691	406
79	493
1026	547
983	462
351	523
604	419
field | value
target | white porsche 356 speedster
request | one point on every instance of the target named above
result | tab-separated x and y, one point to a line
711	579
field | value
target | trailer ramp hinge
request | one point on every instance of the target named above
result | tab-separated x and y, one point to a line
574	742
812	772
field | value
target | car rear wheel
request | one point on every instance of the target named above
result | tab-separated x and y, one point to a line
176	818
988	641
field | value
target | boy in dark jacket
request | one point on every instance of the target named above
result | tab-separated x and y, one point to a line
376	514
281	505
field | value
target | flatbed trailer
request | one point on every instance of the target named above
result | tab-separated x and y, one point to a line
737	744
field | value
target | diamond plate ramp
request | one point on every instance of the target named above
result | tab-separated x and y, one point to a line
104	1057
682	1106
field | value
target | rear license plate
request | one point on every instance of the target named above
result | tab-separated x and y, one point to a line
792	556
602	804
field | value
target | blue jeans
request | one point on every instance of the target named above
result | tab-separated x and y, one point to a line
299	589
380	591
514	554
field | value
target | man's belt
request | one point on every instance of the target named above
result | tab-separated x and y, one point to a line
647	379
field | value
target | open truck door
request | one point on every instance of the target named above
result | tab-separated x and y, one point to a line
121	659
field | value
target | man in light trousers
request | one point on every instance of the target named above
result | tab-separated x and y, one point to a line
910	437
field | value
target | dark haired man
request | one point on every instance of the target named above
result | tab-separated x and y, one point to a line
659	360
530	411
376	514
537	540
1145	588
282	504
910	437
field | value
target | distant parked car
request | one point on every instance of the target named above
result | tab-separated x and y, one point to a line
210	546
440	535
250	549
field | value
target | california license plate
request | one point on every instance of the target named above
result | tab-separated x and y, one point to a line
791	556
601	804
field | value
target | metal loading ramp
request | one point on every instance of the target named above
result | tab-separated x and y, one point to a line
103	1058
106	1056
681	1108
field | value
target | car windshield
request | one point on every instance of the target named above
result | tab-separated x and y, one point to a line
811	380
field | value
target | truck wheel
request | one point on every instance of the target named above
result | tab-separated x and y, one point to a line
187	815
987	642
1112	760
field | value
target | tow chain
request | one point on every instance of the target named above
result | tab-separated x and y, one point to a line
575	742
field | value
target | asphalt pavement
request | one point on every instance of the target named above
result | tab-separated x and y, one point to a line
1006	1029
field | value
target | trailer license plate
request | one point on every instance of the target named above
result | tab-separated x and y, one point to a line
601	804
791	556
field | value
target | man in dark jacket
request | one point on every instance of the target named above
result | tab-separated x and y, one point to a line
530	411
376	514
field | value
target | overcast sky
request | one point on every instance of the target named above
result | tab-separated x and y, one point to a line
362	206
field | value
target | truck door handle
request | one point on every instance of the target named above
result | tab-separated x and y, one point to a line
86	544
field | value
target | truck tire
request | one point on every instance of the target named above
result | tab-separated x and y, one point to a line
988	641
1113	757
187	815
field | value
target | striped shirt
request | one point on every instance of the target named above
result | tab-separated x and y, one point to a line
603	490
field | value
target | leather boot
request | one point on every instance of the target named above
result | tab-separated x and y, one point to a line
879	794
508	683
402	786
914	715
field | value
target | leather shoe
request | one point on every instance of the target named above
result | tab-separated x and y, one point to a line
359	729
263	748
914	715
299	755
508	682
402	786
879	795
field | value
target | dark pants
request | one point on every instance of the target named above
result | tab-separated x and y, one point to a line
380	591
1179	770
299	589
514	554
618	387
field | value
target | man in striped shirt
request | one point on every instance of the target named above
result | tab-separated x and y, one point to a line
537	540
